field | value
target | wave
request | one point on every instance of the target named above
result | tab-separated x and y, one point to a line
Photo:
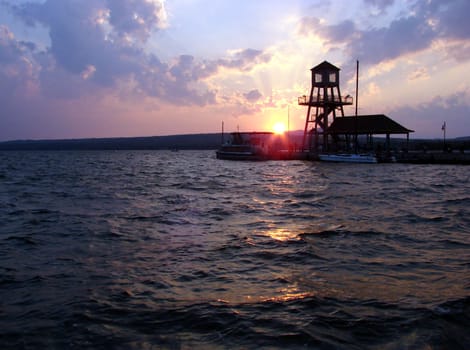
148	249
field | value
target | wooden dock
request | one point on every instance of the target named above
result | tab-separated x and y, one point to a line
411	157
434	157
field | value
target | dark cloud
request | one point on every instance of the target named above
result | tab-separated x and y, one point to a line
403	36
137	18
452	17
101	44
176	82
253	95
17	69
427	118
334	34
380	4
428	21
77	39
11	49
245	59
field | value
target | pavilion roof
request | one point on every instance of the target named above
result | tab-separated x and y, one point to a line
367	124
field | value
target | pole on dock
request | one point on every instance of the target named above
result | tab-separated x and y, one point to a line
357	84
355	115
444	132
222	136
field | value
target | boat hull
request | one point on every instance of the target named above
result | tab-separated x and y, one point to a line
238	155
348	158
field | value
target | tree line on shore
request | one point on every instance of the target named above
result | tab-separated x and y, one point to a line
204	141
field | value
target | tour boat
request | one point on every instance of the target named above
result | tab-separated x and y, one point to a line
238	152
246	146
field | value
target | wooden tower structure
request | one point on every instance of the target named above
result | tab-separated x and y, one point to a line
324	105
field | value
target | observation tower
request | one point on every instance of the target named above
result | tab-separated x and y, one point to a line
324	105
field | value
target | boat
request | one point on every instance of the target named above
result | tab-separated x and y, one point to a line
238	152
246	146
348	158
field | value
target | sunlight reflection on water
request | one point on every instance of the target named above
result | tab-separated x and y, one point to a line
283	235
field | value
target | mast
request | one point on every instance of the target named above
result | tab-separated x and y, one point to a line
288	127
288	119
355	115
357	83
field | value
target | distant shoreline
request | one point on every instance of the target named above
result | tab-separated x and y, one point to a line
190	141
209	141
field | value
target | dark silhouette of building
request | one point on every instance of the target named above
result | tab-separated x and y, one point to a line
326	126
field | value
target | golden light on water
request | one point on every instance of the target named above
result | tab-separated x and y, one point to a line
283	235
289	297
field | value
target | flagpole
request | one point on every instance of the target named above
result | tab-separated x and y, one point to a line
444	127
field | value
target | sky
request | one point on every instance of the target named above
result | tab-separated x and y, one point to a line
117	68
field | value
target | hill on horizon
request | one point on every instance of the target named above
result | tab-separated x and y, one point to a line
187	141
180	142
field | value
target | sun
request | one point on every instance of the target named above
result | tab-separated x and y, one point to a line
279	128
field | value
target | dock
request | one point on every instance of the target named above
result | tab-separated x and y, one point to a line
434	157
411	157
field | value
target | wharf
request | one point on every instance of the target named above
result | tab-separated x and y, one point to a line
410	157
433	157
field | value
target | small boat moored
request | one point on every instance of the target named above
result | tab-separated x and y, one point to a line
348	158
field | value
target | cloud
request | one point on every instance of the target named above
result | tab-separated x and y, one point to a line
419	74
78	40
136	18
10	49
183	79
452	18
332	34
102	44
426	118
253	95
427	22
245	59
403	36
380	4
18	72
458	50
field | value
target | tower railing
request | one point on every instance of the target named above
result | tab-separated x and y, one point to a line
306	101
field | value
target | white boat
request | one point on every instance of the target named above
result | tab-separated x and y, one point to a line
348	158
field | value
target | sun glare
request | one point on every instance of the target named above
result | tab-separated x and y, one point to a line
279	128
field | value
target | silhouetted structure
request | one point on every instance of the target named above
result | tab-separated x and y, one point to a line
325	98
378	124
325	123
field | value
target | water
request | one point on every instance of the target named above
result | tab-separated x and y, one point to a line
178	250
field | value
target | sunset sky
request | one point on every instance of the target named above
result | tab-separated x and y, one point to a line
105	68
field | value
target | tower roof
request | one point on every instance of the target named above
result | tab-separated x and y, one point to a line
325	65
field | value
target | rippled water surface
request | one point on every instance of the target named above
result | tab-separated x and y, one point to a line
178	250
